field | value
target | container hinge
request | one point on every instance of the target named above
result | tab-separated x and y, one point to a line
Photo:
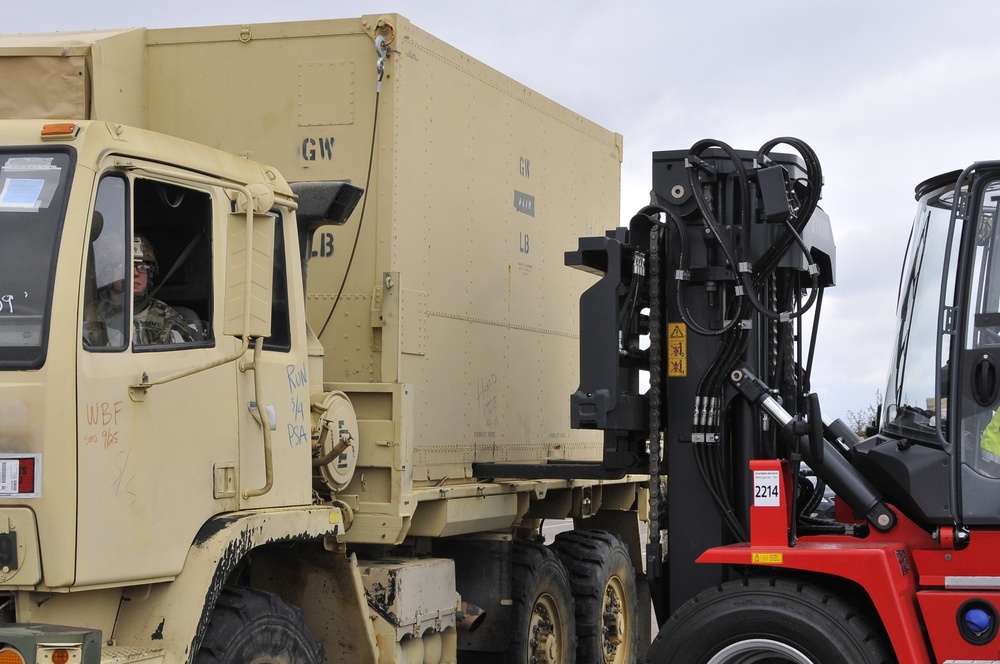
382	48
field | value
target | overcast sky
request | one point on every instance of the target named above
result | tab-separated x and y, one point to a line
888	93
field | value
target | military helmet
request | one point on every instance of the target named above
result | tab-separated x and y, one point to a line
142	252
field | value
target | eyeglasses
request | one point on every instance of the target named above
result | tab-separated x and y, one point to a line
143	268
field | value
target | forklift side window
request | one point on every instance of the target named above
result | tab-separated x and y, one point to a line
984	327
980	389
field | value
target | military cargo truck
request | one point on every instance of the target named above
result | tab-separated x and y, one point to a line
343	439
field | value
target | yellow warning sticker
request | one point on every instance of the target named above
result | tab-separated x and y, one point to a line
677	348
767	559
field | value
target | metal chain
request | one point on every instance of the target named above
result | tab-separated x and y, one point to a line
653	547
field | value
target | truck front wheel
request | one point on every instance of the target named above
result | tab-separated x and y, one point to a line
768	620
255	626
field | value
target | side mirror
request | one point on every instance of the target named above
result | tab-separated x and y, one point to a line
323	203
248	288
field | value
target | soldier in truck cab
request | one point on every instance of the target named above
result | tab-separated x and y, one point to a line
153	321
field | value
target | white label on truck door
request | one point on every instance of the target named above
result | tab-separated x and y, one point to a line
10	473
20	475
766	492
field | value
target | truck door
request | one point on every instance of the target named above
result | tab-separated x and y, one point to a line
154	465
280	396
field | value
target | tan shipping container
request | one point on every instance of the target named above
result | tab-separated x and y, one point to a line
456	289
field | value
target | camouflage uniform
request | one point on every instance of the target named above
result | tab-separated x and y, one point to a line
104	323
153	321
156	323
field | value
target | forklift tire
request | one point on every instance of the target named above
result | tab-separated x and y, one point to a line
607	602
543	626
762	619
250	625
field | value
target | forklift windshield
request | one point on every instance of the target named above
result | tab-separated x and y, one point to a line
33	188
911	410
947	353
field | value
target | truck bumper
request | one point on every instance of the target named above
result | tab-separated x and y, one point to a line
51	644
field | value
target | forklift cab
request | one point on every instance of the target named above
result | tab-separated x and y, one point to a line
937	455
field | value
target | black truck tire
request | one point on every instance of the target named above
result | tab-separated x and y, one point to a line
607	603
766	619
543	628
250	625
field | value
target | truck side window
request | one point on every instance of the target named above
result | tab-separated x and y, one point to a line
171	250
281	337
150	284
105	286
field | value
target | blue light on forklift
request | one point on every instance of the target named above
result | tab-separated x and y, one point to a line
977	621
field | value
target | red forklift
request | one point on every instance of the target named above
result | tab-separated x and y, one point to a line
777	535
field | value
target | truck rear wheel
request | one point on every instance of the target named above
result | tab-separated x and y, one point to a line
255	626
603	582
544	626
770	620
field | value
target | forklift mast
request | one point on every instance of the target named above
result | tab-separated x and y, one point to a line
695	362
718	269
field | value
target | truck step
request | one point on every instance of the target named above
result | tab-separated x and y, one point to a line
132	655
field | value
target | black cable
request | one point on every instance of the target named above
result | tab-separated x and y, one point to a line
361	219
734	338
708	462
814	499
812	339
707	455
708	218
709	392
682	265
814	183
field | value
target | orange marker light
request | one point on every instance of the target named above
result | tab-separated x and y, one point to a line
59	130
9	655
60	656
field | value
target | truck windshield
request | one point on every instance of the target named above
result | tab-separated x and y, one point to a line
910	410
33	193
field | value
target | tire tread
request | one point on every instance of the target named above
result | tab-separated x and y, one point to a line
586	554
